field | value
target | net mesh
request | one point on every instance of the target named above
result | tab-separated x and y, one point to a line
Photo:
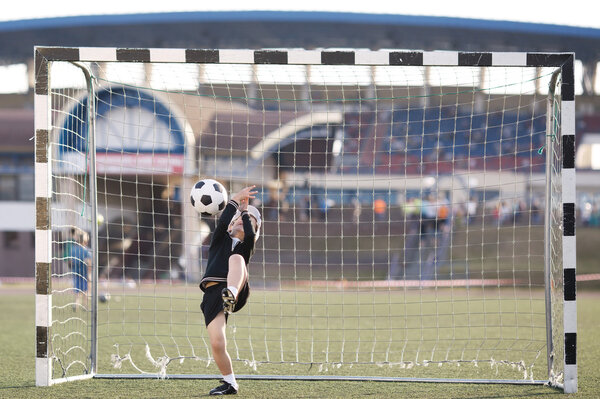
403	218
70	224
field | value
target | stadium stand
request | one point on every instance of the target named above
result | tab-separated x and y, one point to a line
399	141
414	142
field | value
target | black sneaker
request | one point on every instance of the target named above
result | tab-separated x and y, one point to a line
225	389
228	301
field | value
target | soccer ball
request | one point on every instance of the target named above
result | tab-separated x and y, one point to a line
104	297
208	197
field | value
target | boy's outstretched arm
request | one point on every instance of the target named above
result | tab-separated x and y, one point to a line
224	220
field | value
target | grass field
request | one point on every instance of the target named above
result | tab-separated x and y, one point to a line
18	364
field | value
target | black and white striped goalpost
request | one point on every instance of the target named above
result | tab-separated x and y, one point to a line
569	260
43	245
44	56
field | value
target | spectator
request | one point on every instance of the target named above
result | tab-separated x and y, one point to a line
412	213
471	210
428	214
380	209
305	208
323	206
586	213
536	212
357	209
520	211
443	212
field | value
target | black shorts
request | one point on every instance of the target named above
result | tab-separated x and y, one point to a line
212	301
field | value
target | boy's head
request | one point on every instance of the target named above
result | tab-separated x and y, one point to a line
83	238
236	227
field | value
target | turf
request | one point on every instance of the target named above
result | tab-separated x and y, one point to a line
17	378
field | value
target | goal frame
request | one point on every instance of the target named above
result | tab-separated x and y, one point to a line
43	178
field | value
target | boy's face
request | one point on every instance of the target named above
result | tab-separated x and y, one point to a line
236	227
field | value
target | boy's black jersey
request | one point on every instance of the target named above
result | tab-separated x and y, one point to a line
221	245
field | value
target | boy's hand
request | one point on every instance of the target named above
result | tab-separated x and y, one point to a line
243	196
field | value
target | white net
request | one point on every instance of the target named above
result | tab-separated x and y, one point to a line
403	215
71	220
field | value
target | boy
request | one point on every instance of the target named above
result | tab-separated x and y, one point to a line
225	282
81	263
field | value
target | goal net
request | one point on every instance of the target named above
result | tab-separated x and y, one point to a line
417	206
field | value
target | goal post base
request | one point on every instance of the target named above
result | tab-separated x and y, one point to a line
320	378
82	377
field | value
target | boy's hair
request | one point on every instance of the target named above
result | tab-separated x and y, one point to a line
254	212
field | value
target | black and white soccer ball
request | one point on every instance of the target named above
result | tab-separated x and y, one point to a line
208	197
104	297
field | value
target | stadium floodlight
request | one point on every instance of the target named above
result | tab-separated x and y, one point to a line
419	217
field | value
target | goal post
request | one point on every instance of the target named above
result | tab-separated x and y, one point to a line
419	213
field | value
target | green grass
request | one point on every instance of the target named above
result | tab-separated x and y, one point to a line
17	357
326	328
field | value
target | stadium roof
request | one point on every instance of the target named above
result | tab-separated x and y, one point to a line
571	13
295	16
272	29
